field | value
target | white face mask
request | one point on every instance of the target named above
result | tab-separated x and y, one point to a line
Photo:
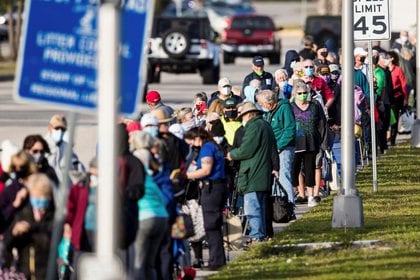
188	124
386	62
404	39
292	64
244	123
218	139
225	90
57	135
93	180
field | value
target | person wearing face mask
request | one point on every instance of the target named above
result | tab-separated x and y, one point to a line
258	72
403	42
38	148
256	168
185	117
290	60
32	228
311	136
80	223
224	91
211	173
15	194
321	56
383	91
54	137
228	119
317	84
278	113
283	88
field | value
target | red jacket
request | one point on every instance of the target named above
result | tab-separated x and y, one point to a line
76	209
398	82
319	85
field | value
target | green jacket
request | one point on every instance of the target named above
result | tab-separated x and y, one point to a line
282	121
255	157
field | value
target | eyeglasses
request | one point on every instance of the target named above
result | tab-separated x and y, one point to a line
60	128
37	151
308	66
300	93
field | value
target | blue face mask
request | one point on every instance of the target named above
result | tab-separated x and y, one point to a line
152	130
57	135
309	72
265	109
39	203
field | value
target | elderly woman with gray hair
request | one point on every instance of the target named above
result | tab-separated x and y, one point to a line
311	135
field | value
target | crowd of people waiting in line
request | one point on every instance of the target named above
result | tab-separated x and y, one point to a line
222	152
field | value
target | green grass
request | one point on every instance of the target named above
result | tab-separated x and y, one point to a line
392	215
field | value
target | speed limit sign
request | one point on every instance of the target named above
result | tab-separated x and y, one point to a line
371	20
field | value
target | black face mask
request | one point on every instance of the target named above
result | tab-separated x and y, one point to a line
196	149
22	173
362	59
324	54
231	115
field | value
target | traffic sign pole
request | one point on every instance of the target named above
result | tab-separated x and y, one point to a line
106	265
347	207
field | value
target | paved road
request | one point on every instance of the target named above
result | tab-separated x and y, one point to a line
19	120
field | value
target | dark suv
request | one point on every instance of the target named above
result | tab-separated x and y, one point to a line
323	28
183	45
248	35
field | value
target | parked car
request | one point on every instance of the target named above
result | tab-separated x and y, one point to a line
251	34
183	45
323	29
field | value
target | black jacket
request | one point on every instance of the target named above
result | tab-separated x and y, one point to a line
266	79
38	237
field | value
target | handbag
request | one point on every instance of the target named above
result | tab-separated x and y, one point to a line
194	210
406	121
182	227
281	206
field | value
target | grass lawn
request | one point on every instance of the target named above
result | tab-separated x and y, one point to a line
392	215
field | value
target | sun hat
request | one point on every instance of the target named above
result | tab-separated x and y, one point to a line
247	107
161	115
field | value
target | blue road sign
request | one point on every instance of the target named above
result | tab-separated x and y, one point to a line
58	57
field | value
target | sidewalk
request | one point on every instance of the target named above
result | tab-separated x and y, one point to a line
300	210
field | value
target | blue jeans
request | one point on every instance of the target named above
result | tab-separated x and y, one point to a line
286	158
254	206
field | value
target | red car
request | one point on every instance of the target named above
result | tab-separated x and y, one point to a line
248	35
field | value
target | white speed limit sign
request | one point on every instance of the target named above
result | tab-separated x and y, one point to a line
371	20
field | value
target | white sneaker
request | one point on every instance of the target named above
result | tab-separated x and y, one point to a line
312	202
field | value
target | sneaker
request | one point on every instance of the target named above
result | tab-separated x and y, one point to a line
312	202
317	199
300	200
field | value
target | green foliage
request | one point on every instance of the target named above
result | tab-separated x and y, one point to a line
391	215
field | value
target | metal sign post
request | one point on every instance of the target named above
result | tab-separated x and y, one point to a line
347	207
371	22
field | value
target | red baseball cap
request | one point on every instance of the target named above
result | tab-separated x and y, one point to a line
152	96
133	126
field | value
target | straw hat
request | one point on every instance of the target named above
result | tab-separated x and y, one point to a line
247	107
161	115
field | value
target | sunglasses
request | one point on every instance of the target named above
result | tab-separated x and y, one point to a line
300	93
308	66
37	151
60	128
